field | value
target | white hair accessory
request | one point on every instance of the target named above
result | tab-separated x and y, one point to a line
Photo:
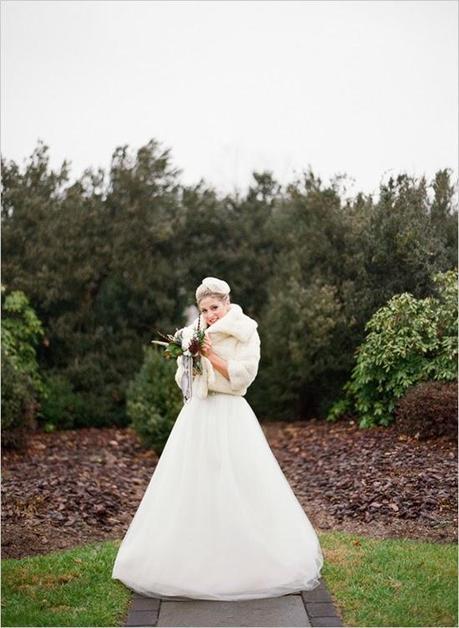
211	285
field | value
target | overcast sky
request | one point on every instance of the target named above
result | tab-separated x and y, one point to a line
366	88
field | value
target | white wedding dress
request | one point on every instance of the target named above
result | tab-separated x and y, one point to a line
218	520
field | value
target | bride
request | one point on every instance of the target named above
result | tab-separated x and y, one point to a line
219	520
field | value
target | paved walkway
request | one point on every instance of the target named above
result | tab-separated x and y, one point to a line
308	608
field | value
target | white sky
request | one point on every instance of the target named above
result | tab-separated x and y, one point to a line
366	88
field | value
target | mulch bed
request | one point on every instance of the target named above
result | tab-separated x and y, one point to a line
375	482
77	486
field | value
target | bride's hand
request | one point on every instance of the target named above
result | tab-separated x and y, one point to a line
206	346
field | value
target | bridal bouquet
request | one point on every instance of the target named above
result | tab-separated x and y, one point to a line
185	342
185	345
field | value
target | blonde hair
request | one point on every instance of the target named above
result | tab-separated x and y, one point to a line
224	298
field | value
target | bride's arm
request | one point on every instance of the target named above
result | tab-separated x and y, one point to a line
217	362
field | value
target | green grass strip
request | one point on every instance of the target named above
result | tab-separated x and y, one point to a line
65	588
374	582
391	582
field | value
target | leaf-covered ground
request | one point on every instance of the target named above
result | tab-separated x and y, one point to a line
71	487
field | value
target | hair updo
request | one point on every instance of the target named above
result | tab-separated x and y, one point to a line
213	287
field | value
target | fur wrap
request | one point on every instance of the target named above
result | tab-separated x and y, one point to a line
235	339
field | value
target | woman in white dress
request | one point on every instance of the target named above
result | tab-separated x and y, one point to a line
219	520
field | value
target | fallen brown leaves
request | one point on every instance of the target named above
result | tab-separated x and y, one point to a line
72	487
77	486
370	481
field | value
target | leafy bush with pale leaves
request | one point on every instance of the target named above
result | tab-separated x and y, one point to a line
409	340
22	384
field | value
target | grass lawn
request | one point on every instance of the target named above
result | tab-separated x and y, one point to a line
374	583
65	588
392	582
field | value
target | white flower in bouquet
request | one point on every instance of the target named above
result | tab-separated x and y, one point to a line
188	334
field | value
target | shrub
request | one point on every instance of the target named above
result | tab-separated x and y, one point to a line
18	403
428	409
22	384
62	408
410	340
154	400
21	333
297	337
99	374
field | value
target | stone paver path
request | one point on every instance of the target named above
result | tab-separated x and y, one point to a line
308	608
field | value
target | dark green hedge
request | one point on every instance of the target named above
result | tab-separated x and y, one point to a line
113	257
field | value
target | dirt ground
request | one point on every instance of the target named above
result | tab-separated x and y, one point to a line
77	486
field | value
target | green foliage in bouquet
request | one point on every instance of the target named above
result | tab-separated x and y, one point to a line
409	340
154	400
173	347
22	384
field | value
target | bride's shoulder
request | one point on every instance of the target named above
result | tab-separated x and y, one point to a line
255	336
252	340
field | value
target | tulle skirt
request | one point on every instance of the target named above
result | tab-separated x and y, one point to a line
218	520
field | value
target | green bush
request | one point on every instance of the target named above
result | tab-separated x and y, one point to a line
22	384
154	400
18	403
62	408
297	334
136	247
409	340
21	334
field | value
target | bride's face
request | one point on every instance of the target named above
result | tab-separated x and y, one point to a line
212	309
